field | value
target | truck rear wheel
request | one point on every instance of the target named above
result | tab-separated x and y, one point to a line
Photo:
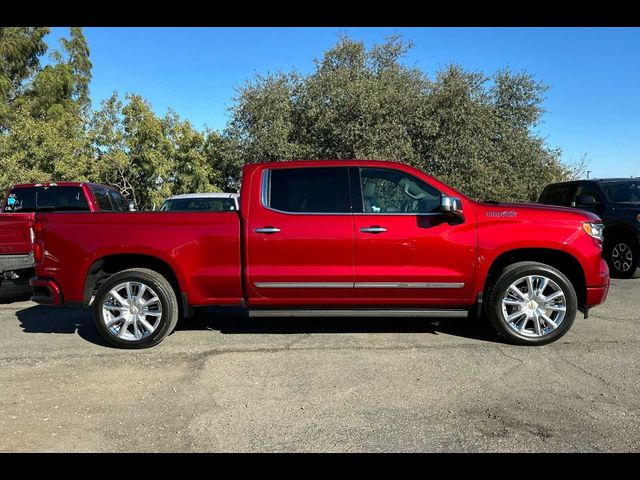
532	304
135	308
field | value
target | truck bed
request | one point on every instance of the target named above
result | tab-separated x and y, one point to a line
202	248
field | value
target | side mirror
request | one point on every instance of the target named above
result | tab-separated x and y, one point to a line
132	206
585	201
452	205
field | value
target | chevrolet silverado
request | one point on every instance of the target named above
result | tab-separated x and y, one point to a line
319	238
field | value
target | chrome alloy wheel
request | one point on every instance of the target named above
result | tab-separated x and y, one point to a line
534	306
131	311
622	257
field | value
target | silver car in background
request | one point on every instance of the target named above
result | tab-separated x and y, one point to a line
199	202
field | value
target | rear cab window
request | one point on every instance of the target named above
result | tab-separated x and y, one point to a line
202	204
46	199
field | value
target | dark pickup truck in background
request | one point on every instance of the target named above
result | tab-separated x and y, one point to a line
617	202
23	201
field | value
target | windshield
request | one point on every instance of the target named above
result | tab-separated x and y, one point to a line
199	204
623	192
46	199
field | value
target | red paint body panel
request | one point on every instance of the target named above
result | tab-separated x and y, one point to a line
218	258
15	237
203	249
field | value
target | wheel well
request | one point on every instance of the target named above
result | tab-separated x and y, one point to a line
620	232
103	268
564	262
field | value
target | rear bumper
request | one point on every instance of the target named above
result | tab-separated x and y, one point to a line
598	294
45	291
10	263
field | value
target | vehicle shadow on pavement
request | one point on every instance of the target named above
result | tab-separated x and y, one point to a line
43	319
234	321
61	320
10	293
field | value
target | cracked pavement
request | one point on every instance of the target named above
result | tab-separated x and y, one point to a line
222	382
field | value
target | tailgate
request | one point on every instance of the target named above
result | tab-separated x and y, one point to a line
15	233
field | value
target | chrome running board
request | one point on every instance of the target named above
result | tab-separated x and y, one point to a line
378	312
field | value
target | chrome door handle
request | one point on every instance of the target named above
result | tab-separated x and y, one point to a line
373	229
266	230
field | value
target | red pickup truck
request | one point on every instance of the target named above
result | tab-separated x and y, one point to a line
24	200
319	238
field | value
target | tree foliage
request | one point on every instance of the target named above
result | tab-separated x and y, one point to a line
149	157
472	130
20	51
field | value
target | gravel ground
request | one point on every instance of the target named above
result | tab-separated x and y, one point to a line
225	383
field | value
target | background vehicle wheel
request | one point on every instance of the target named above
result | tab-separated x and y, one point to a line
622	255
135	308
531	304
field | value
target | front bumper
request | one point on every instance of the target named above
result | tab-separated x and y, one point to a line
45	291
598	294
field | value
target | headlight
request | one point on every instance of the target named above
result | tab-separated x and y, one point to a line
595	230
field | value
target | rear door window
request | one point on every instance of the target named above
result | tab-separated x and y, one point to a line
557	195
588	189
309	190
46	199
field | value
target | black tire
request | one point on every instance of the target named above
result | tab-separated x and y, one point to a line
162	289
498	290
619	246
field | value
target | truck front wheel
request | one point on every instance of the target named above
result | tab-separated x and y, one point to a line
135	308
532	304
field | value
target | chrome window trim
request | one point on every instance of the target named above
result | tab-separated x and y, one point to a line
346	312
359	284
265	200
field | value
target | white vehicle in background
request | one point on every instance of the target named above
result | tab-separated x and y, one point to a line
198	202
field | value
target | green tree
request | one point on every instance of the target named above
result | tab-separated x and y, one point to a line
147	157
134	153
474	131
191	172
78	61
20	51
40	150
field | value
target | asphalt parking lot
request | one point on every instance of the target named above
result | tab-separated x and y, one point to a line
225	383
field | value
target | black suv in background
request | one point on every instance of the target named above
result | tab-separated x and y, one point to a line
617	202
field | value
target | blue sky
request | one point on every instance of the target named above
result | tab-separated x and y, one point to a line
593	104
